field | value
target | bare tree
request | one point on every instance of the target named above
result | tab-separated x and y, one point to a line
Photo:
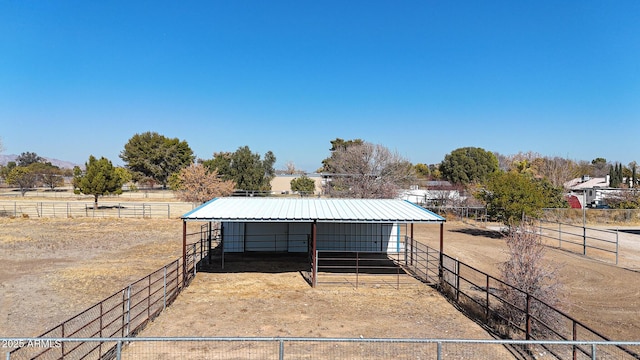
557	170
195	184
290	168
534	284
369	171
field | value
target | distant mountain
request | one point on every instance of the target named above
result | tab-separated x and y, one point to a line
5	159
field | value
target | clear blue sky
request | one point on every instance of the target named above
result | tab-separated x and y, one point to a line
423	78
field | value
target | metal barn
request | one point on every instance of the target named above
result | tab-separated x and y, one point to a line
309	225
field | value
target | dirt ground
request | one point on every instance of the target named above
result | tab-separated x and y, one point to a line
54	268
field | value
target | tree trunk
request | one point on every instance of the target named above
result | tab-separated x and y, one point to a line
95	202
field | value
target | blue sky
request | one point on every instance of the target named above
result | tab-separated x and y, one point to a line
423	78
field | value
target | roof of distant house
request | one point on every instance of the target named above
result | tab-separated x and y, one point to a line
586	183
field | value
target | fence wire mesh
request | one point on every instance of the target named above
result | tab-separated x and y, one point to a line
312	348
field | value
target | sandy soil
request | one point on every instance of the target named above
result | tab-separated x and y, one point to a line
53	269
600	294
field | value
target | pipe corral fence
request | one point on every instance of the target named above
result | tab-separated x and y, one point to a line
105	209
107	330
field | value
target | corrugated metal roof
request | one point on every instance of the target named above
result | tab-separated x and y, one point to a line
311	209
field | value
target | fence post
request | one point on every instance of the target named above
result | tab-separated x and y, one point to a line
119	350
584	240
528	317
457	269
168	211
63	335
574	336
149	298
617	246
281	352
559	234
164	282
195	257
439	350
486	310
128	309
101	326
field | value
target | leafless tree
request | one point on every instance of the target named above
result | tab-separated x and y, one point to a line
196	184
290	168
535	281
557	170
369	171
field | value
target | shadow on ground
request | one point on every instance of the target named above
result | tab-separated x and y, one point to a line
493	234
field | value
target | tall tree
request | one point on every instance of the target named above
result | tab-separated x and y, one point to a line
196	184
23	177
556	169
368	171
511	196
599	167
337	146
28	158
155	156
248	170
49	175
468	165
100	178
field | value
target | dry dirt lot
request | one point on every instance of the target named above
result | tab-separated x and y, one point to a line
55	268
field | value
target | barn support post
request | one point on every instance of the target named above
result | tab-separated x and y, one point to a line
314	254
222	244
184	251
209	237
412	244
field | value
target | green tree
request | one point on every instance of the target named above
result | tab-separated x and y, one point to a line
338	145
468	165
246	169
303	185
28	158
511	196
23	177
100	178
155	156
599	167
422	171
48	175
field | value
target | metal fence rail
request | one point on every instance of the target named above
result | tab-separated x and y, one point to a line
595	243
482	297
360	268
312	348
77	209
123	314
